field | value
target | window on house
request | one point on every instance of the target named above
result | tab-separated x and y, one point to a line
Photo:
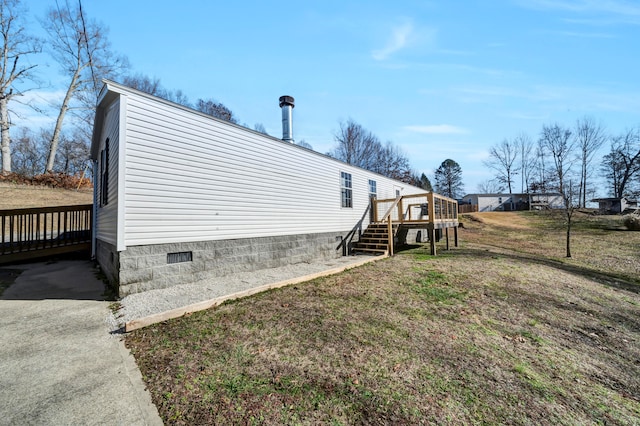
373	191
104	174
345	189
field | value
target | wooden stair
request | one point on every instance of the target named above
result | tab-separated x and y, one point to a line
374	240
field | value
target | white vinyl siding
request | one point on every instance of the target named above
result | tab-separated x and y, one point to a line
190	177
107	214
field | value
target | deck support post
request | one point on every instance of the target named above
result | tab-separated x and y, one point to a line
446	235
432	239
455	236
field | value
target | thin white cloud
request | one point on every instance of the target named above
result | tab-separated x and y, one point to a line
603	96
437	129
620	10
582	34
400	37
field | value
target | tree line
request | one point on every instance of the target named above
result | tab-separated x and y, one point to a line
566	159
79	46
81	50
359	147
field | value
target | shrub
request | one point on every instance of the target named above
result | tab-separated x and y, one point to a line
52	180
632	222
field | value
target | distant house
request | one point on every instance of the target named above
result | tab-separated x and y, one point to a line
511	202
180	196
615	205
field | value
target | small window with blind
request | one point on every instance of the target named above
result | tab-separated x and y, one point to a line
373	190
346	189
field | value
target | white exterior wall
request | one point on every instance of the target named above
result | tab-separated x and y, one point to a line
189	177
107	215
492	202
488	204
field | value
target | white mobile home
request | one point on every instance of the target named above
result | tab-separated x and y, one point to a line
181	196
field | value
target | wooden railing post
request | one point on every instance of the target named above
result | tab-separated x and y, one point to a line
432	223
390	234
374	208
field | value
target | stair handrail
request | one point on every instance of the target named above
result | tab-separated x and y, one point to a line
387	216
390	209
344	243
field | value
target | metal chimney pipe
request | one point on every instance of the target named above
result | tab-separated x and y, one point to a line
287	104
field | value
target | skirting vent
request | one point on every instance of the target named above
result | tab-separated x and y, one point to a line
183	256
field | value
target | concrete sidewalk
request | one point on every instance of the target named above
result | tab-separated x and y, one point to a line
59	365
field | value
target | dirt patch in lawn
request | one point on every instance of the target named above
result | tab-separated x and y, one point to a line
482	334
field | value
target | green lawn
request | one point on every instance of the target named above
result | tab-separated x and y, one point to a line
500	330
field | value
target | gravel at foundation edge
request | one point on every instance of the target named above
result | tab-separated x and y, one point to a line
151	302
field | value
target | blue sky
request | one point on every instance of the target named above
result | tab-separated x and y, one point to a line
441	79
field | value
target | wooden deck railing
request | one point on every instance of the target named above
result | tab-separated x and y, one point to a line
35	232
419	208
432	210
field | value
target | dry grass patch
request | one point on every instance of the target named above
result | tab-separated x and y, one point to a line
511	220
478	335
17	196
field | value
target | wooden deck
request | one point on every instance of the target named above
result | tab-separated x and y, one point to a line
429	211
39	232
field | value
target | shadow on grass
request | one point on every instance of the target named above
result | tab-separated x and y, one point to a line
609	279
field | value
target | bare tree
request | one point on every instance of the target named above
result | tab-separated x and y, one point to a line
390	161
502	160
589	137
557	141
490	186
303	143
82	49
28	153
215	109
152	86
146	84
622	165
569	208
17	46
540	183
259	127
449	179
356	145
72	153
527	163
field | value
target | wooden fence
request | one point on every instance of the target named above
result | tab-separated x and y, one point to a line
36	232
467	208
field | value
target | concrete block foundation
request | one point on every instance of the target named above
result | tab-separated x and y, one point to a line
142	268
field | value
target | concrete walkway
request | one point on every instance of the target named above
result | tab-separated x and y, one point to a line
59	364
